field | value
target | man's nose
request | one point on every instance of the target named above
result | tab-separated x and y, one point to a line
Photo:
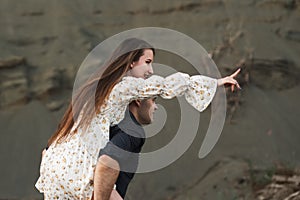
150	69
155	106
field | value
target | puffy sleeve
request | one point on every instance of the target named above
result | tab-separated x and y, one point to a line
198	90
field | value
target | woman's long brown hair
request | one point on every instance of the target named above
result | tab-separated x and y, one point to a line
92	95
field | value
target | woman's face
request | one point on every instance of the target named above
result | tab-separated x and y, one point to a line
143	67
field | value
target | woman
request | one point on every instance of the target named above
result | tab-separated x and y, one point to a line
67	168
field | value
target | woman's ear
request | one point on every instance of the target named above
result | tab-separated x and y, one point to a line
132	65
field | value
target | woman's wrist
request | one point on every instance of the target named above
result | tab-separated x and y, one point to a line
220	82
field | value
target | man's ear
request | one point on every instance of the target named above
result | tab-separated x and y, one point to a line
137	102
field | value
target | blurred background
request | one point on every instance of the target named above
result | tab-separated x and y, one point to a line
43	43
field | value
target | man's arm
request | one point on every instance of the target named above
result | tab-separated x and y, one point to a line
105	177
106	174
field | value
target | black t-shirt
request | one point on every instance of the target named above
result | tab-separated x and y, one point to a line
128	135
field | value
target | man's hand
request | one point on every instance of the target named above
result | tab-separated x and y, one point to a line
106	174
115	195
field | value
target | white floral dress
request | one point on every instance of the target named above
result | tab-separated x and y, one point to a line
67	168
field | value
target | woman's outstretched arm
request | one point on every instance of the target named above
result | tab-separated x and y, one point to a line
198	90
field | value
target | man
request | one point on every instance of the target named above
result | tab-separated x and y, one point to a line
129	136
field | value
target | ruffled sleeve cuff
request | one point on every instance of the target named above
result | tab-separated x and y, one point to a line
201	91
